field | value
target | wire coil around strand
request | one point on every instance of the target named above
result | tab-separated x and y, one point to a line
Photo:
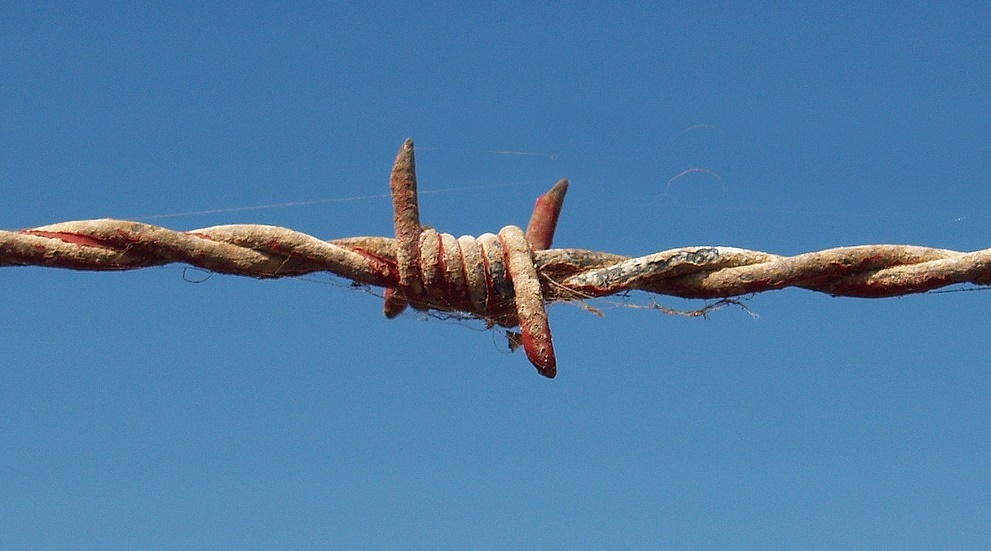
492	277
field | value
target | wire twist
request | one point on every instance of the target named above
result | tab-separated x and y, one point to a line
506	279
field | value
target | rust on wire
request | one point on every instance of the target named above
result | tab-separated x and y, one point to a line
506	279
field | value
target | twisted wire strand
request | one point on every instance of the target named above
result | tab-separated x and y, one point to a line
505	278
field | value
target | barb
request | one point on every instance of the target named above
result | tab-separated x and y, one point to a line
505	279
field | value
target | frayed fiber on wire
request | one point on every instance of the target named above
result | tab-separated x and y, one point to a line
506	278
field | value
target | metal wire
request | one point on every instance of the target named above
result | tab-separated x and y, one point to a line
505	279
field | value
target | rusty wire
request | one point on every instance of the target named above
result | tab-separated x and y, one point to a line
504	279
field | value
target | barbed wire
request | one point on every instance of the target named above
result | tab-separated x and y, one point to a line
505	279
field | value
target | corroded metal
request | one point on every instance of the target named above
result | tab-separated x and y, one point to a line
505	279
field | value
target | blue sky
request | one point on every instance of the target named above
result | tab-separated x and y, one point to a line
142	410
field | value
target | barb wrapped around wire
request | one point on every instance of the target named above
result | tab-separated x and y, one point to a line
505	279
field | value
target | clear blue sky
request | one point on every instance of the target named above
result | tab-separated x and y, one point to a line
139	410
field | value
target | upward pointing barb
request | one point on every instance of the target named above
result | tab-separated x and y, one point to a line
406	215
435	275
543	222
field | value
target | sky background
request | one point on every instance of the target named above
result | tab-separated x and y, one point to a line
141	410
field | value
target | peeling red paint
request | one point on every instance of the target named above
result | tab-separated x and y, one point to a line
73	238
